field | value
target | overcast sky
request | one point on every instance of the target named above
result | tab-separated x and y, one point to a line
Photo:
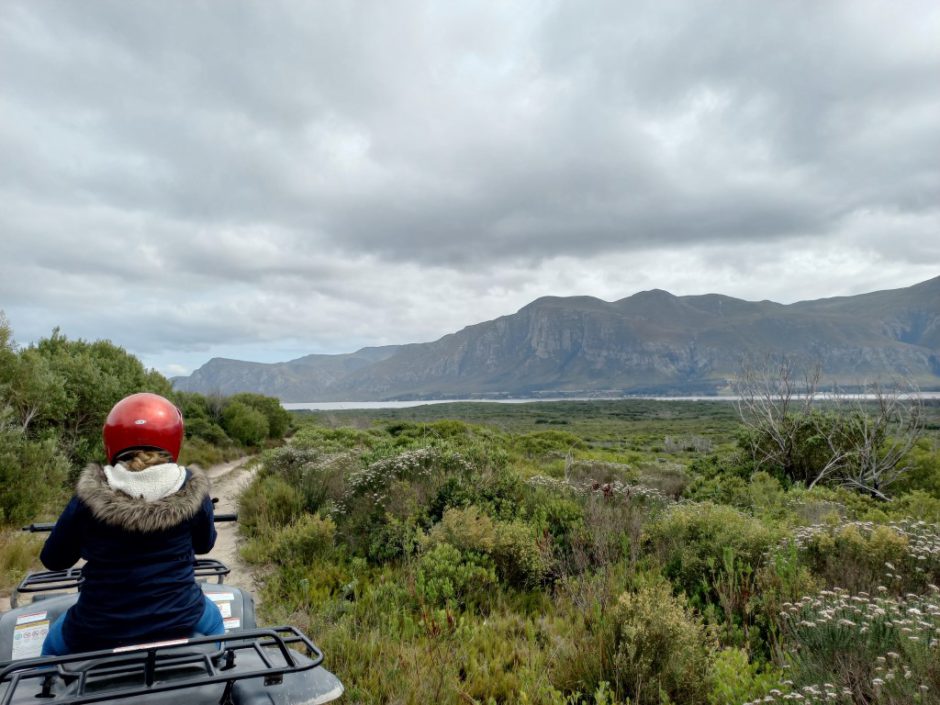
262	180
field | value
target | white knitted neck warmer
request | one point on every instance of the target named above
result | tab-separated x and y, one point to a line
150	484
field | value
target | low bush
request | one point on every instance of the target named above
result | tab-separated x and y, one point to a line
521	561
196	451
864	648
319	477
668	478
695	544
466	528
245	424
32	474
303	541
512	547
541	443
899	557
336	440
18	554
733	678
448	577
650	647
269	502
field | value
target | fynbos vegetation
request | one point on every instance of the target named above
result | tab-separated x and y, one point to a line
641	555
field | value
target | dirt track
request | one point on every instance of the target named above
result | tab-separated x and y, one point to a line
228	480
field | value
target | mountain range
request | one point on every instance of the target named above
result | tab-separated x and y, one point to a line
648	343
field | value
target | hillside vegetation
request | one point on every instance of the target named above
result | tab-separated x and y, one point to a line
648	343
594	552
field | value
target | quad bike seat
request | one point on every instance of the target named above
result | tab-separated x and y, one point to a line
23	629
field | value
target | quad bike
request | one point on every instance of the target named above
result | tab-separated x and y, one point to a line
248	666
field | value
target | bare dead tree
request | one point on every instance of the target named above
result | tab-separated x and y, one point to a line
880	427
856	440
769	397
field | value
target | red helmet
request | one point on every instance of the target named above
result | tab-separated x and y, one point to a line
143	421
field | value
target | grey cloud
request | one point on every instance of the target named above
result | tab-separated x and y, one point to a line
284	153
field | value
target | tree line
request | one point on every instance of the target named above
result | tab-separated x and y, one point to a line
55	395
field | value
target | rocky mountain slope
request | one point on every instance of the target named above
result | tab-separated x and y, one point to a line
650	342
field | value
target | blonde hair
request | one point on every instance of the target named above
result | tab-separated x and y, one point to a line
144	459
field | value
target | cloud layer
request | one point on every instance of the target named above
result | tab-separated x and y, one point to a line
269	179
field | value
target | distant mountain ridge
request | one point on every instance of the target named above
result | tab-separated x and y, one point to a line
651	342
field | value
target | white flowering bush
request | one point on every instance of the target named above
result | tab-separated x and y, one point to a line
582	470
608	525
903	556
613	490
862	648
318	476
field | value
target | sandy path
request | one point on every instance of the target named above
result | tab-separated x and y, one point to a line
228	480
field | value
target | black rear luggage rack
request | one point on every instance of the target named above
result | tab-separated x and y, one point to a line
209	568
146	662
72	579
48	581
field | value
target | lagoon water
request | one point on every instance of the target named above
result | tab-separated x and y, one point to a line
344	405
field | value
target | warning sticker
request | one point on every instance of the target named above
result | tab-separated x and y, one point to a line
28	637
221	596
32	617
223	600
232	623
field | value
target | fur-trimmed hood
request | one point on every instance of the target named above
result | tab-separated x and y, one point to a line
118	509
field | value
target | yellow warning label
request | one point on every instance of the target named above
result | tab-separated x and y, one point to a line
28	638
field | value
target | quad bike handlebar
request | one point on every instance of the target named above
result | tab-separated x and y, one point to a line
46	527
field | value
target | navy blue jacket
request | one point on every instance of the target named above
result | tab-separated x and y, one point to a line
139	582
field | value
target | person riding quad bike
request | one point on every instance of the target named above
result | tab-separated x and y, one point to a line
138	522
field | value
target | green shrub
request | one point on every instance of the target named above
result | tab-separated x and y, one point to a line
917	505
246	425
783	579
414	488
540	443
861	556
662	648
512	546
696	542
669	478
18	554
557	515
448	577
466	528
923	469
206	431
319	477
336	440
303	541
877	649
196	451
734	679
32	474
648	646
520	561
278	419
268	502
